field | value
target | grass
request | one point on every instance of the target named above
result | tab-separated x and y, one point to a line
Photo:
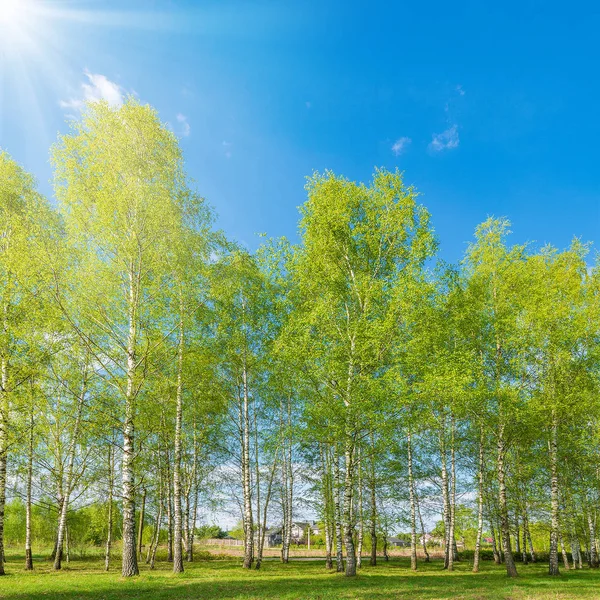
225	579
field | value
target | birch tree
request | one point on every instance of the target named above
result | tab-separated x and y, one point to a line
357	241
243	332
493	271
117	179
26	223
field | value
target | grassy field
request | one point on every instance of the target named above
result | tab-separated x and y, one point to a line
224	579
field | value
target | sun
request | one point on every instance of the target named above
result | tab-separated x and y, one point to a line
16	19
12	12
23	25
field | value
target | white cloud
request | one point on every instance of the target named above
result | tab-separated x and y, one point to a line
459	89
98	87
227	146
400	145
447	140
185	126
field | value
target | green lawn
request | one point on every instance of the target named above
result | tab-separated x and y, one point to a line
224	579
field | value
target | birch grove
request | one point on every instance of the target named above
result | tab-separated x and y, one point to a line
347	384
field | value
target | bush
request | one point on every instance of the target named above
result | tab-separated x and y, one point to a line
205	532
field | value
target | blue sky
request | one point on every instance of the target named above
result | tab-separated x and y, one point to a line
488	108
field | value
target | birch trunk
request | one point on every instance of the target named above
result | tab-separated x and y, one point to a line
349	451
156	540
451	540
361	530
328	546
4	416
288	481
564	553
169	500
53	552
246	476
67	544
524	540
284	495
445	496
373	521
553	443
192	528
576	552
129	565
588	554
328	505
192	521
257	478
109	524
338	516
494	545
185	519
177	542
62	522
593	553
479	505
413	521
155	537
423	540
287	505
386	556
531	550
28	553
511	569
141	525
156	530
500	548
262	530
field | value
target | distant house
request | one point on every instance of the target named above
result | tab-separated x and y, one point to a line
274	535
300	530
397	542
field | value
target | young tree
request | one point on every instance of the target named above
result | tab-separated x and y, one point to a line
493	279
242	305
118	176
26	224
555	325
358	242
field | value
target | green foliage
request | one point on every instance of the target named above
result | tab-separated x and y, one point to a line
210	531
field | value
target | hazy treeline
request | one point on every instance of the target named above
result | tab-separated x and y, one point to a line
150	368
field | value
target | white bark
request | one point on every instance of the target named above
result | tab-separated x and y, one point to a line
413	514
553	562
109	524
68	487
246	476
177	541
129	555
479	506
28	552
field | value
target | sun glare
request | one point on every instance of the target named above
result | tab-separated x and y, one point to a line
16	20
25	29
8	10
12	11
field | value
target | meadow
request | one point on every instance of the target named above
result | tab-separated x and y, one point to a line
299	579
